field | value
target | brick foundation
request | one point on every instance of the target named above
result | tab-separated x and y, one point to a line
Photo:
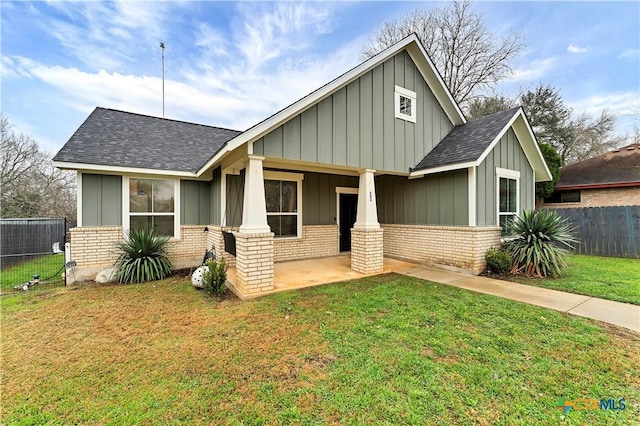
457	246
367	250
93	249
316	241
216	240
254	263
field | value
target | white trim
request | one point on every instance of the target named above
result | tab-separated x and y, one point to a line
507	174
447	168
417	53
120	169
472	188
289	177
126	213
342	190
402	92
79	198
223	198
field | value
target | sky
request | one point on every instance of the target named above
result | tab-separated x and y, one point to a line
232	64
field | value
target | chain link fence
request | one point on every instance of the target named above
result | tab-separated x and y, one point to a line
32	254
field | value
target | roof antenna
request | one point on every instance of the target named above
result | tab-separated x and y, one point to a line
162	47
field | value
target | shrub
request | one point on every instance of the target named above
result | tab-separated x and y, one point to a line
498	261
541	243
214	277
143	257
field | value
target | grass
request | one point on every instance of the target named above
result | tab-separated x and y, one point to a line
46	266
382	350
605	277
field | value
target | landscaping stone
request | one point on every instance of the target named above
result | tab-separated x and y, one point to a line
107	275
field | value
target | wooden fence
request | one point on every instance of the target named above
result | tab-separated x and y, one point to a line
606	231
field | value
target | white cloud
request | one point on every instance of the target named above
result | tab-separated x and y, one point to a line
624	105
573	48
535	70
632	54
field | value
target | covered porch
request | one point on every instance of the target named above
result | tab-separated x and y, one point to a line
305	273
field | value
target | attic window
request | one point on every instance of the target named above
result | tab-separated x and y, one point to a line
405	104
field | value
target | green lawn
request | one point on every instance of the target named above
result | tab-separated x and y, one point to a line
605	277
46	266
382	350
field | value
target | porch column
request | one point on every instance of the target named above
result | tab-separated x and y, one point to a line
366	235
254	241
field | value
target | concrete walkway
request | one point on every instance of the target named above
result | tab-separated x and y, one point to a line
617	313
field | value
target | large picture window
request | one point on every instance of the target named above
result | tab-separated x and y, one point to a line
283	198
508	198
152	205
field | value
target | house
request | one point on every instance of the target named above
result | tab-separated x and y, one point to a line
609	179
379	162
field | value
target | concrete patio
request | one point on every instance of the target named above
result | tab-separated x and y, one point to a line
312	272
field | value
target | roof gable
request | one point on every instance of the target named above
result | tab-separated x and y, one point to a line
469	144
414	48
620	167
126	140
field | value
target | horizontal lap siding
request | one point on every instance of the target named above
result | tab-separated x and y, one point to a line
507	154
356	126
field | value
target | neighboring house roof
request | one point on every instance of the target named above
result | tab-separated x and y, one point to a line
467	145
620	167
126	140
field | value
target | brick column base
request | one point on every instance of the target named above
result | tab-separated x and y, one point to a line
254	262
367	250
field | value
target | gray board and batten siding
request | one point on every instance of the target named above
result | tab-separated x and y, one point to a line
507	154
440	199
318	197
356	125
102	200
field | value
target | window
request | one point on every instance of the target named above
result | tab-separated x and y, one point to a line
152	206
405	104
283	198
508	198
563	197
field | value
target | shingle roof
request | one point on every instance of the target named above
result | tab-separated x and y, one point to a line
467	142
117	138
620	166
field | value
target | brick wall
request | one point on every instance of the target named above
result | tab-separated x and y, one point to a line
93	249
602	197
216	240
254	263
367	254
458	246
316	241
189	250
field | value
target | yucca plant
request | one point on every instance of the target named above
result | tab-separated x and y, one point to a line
541	243
143	257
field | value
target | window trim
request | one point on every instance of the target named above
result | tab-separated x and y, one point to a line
289	177
401	91
126	213
507	174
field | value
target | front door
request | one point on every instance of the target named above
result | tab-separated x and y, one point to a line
348	210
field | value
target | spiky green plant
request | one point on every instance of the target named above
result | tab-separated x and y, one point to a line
143	257
541	243
214	278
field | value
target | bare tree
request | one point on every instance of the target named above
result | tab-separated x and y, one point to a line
30	185
467	55
487	105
